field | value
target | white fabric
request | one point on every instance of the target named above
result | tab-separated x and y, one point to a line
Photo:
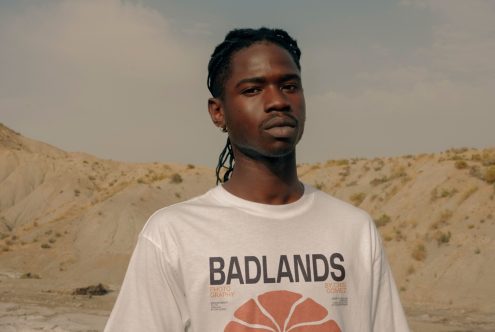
168	285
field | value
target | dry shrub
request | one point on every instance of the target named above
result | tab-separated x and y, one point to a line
444	193
398	172
382	221
29	275
319	185
378	181
157	177
457	150
357	198
442	219
476	172
461	164
419	252
489	175
476	157
442	237
99	289
176	178
488	158
399	236
345	172
342	162
448	193
315	167
388	238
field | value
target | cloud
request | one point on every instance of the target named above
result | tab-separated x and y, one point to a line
103	76
464	36
438	97
122	80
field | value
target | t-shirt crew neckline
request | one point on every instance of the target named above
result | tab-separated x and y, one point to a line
271	211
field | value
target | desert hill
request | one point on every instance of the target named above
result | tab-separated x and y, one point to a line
71	219
436	215
78	215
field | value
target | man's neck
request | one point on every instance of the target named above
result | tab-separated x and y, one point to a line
266	180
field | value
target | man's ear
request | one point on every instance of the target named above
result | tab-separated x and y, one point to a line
215	108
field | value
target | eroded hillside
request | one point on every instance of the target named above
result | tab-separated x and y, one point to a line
74	218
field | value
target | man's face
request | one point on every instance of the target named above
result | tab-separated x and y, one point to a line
263	104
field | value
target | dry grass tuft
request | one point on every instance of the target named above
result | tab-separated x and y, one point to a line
442	219
382	221
176	178
419	252
489	175
461	164
319	185
99	289
357	198
29	275
442	237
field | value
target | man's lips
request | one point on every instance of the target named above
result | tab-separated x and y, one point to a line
279	122
280	127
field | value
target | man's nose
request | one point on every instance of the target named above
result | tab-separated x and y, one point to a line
276	100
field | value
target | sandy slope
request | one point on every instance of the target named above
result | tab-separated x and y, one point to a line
72	219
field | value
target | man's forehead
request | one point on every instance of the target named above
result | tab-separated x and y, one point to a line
260	58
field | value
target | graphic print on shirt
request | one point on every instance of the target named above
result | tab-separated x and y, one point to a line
228	275
281	311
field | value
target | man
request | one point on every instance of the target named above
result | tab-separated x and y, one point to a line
262	251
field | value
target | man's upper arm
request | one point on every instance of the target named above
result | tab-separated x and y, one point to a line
387	312
150	298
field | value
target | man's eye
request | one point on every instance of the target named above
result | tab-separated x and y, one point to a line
250	91
290	87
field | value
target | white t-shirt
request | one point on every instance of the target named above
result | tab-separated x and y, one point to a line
221	263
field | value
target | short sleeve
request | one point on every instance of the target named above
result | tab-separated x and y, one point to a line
387	312
150	298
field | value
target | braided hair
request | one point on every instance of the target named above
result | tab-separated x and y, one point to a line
219	71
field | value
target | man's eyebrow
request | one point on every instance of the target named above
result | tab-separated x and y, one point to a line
288	77
261	80
258	80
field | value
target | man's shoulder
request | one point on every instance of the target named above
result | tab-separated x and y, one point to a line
169	215
338	204
339	208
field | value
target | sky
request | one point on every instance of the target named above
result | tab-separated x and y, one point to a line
126	80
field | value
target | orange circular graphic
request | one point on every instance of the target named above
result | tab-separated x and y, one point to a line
281	311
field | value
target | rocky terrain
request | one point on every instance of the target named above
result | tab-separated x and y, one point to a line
70	220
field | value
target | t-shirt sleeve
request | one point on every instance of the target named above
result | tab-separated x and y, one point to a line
150	298
387	312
